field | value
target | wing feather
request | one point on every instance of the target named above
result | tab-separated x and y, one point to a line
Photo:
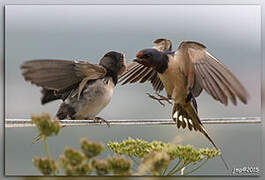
163	44
207	84
223	84
147	75
131	68
238	88
134	74
60	74
216	85
212	75
139	73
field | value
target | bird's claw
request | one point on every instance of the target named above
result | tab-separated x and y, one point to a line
155	98
164	98
100	120
159	99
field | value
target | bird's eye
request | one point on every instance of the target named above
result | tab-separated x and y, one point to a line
146	55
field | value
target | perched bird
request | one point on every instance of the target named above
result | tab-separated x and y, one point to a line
184	73
84	88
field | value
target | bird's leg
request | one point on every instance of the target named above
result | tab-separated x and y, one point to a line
156	98
159	98
164	98
99	119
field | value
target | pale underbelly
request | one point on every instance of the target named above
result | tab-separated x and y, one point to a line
88	109
175	86
93	100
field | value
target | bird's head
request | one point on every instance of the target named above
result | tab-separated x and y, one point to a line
152	58
114	62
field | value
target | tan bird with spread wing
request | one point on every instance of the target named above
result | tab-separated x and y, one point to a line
184	73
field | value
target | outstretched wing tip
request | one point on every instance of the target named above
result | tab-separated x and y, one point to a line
191	43
160	39
163	44
59	74
246	99
213	76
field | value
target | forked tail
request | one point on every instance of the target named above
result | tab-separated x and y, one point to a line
186	116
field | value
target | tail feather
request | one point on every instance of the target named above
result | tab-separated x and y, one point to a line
48	96
65	111
185	115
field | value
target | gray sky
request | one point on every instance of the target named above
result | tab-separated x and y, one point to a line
231	33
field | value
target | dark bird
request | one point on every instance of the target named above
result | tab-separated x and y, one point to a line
84	88
184	73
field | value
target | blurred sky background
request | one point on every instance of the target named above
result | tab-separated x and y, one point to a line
231	33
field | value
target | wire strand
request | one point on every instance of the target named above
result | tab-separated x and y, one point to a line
12	123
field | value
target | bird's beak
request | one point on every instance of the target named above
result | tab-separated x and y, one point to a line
139	58
142	61
124	67
139	54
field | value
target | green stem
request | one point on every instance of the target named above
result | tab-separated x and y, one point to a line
176	165
46	147
165	170
195	169
47	151
179	168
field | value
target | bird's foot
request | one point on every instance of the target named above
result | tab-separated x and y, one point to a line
100	120
160	98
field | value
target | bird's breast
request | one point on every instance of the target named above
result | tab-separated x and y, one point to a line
95	97
174	80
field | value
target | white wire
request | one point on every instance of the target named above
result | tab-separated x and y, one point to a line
12	123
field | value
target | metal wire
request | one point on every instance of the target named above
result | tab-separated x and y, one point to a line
12	123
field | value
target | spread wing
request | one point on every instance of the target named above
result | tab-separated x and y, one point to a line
163	45
60	74
139	73
211	75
